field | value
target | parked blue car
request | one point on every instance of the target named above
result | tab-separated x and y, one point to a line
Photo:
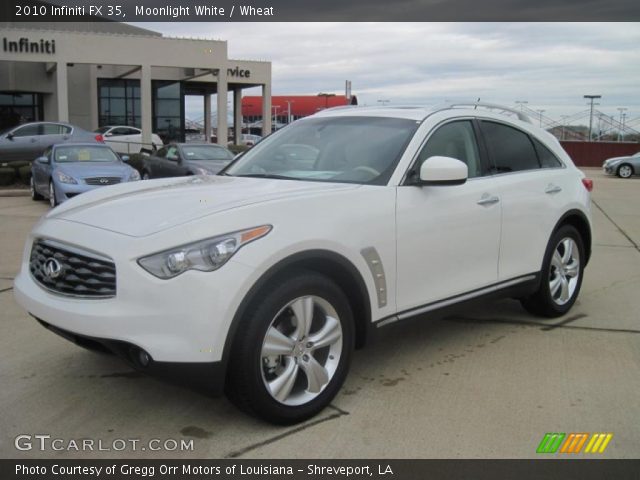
67	170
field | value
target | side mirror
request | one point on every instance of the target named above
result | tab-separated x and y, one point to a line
174	159
124	158
42	160
443	171
108	134
10	136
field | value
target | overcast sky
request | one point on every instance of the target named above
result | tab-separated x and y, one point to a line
549	65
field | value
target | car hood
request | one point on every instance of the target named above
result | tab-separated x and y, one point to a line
143	208
93	169
212	166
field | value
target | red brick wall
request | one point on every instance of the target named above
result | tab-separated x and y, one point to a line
592	154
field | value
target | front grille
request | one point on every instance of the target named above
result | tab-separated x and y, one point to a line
69	271
102	180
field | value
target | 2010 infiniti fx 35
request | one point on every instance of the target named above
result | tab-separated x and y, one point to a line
264	278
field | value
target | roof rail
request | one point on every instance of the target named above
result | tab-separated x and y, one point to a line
491	106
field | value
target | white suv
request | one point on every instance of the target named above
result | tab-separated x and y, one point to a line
264	279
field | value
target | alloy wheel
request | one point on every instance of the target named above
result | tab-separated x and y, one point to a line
301	350
625	171
565	271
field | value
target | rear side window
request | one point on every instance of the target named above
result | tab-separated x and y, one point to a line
511	149
55	129
546	156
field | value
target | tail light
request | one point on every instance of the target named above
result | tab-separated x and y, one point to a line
588	184
99	138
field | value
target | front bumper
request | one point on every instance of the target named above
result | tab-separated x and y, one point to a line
609	170
205	377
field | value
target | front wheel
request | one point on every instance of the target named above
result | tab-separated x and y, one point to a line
561	275
625	171
52	195
35	196
293	351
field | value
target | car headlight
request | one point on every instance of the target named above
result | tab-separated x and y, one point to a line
64	178
135	175
205	255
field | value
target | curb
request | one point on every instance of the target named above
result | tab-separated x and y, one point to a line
14	192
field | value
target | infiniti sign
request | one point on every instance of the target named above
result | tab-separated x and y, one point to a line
52	268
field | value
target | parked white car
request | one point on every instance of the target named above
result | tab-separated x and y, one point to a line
124	139
268	275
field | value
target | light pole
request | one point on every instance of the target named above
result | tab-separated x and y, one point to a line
289	102
540	112
564	118
624	117
522	103
591	98
621	110
383	101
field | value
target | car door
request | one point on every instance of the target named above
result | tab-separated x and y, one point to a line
22	143
53	134
448	237
534	189
172	166
41	171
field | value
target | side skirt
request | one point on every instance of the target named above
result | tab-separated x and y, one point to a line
517	287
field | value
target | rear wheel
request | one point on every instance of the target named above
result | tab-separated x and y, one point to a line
52	195
625	170
294	349
35	196
145	175
561	275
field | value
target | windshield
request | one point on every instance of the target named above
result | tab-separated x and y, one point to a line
332	149
85	154
205	152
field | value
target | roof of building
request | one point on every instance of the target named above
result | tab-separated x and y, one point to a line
83	27
301	105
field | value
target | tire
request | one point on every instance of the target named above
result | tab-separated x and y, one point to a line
53	202
559	288
35	196
277	387
145	175
625	171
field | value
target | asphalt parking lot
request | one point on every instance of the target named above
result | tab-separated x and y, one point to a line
484	383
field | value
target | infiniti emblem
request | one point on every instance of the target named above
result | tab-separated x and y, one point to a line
104	180
52	268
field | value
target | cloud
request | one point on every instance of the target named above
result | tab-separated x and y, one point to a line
551	65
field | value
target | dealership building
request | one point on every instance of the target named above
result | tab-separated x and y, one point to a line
95	74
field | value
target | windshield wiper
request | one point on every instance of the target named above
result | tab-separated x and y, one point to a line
265	175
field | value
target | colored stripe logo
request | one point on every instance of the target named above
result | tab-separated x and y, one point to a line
574	442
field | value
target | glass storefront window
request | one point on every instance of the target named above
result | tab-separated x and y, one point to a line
17	108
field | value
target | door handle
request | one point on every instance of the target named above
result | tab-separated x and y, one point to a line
551	188
488	200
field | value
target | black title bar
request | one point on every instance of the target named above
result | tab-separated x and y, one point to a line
317	11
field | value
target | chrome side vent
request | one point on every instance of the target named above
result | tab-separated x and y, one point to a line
372	258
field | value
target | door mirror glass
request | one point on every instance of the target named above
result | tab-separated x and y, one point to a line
42	160
10	136
443	171
125	158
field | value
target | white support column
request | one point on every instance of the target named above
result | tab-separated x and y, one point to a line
62	92
266	109
93	97
145	105
222	107
207	118
237	115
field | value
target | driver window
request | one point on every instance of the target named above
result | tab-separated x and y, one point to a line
456	140
27	131
172	153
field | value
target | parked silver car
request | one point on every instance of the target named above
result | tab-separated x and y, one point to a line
27	141
624	167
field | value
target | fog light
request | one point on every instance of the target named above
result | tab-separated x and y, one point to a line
144	358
